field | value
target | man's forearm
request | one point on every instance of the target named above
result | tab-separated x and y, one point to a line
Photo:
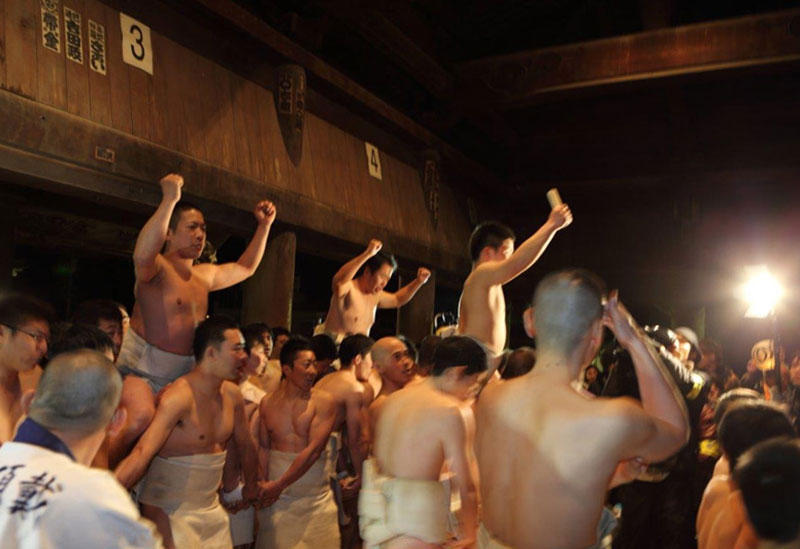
348	271
301	464
660	397
251	257
131	469
407	292
154	233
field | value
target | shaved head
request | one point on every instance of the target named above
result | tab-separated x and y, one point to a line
566	305
79	391
384	348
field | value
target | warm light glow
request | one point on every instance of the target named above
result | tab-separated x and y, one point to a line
761	291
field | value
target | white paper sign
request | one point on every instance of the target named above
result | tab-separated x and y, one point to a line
136	49
373	161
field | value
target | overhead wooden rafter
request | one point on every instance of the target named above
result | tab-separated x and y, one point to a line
516	80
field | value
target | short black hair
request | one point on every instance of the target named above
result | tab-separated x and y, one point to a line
427	348
768	475
410	347
253	335
519	362
259	326
16	309
290	349
459	351
211	332
749	423
491	234
177	212
353	346
92	311
376	262
324	347
280	331
727	399
73	336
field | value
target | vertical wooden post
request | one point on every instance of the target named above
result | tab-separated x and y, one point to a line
268	293
6	248
415	320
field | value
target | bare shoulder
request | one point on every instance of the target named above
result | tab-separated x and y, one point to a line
205	271
323	401
232	391
177	394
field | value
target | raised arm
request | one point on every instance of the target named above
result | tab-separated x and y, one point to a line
154	233
501	272
229	274
348	271
402	296
461	461
663	427
172	406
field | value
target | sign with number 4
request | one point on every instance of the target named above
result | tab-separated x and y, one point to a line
136	49
374	161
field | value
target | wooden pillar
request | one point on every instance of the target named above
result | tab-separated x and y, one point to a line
6	248
415	320
268	293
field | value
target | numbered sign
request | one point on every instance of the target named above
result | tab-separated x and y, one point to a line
374	161
136	49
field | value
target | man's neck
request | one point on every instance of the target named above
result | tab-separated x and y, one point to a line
9	379
207	382
388	387
556	367
293	391
174	257
84	448
349	372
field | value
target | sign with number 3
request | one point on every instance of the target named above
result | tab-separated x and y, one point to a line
136	49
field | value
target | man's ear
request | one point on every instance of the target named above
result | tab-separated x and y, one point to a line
528	320
358	360
286	370
117	421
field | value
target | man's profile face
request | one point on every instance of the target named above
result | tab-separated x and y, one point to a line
189	236
267	343
364	368
398	366
112	329
25	347
377	280
303	371
257	361
232	357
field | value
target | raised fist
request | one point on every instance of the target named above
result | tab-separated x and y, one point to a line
617	318
423	274
171	187
560	216
265	212
374	247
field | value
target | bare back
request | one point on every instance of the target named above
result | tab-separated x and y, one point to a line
353	313
482	312
206	422
546	456
169	307
344	389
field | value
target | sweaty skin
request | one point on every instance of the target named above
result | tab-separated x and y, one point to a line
355	300
351	397
419	430
482	308
20	352
547	455
197	414
171	292
294	419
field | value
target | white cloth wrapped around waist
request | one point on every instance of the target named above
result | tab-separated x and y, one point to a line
243	522
158	367
305	514
390	507
486	541
185	488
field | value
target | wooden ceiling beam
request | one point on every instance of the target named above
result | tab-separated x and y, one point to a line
516	80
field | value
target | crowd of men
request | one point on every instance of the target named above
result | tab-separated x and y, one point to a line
178	429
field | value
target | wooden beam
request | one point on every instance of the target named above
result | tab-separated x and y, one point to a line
233	13
51	149
513	81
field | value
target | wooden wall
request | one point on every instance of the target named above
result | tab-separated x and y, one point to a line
198	109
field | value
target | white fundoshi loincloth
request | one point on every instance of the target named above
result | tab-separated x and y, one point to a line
159	368
185	488
242	523
305	514
392	507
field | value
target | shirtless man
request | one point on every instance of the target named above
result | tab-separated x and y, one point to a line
294	428
395	367
358	292
546	453
482	309
172	297
24	335
195	417
420	429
